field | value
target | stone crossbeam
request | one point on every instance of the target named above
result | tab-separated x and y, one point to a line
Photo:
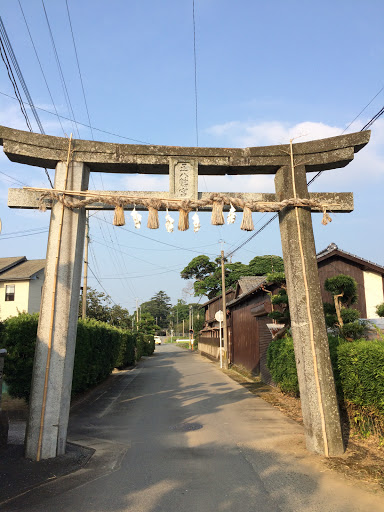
46	151
29	199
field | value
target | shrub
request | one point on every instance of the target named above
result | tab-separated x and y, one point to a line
349	315
361	366
282	365
353	330
380	310
97	350
126	355
19	338
145	345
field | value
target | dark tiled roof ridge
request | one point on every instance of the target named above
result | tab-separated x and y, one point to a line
333	247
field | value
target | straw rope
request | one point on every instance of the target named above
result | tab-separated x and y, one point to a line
70	199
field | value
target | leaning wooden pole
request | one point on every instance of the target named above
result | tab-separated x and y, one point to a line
317	389
224	311
85	278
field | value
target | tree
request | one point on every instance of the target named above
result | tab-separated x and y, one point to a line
99	307
207	273
279	299
340	314
344	291
159	307
147	324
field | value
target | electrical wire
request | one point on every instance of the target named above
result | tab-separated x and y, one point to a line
365	127
101	286
160	241
78	67
195	72
23	84
138	259
79	123
61	74
41	68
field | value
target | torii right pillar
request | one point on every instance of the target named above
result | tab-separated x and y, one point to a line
317	389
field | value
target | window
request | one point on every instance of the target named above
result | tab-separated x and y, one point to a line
9	292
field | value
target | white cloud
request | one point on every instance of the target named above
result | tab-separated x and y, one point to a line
369	163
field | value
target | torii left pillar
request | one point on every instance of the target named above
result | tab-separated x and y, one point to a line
49	410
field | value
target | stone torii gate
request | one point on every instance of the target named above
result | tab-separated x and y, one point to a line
55	348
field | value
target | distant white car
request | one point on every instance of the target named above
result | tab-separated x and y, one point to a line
157	340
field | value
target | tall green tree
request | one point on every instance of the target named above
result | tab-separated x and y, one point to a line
207	273
159	307
99	307
147	324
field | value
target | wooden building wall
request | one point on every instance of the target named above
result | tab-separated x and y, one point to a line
245	337
249	335
335	265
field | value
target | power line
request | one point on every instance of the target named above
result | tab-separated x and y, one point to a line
20	236
366	106
61	74
136	258
14	179
159	241
14	83
79	123
23	84
365	127
41	68
78	67
195	71
101	286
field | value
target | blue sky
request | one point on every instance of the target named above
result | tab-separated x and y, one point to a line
266	72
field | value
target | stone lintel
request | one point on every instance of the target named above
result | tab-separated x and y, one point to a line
46	151
29	199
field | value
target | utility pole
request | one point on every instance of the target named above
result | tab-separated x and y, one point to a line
137	314
224	311
85	281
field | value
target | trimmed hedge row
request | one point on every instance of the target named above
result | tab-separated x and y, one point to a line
358	367
361	366
99	349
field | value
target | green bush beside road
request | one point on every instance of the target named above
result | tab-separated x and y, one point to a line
358	367
99	349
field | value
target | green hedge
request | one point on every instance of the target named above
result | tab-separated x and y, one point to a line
126	355
282	365
361	365
19	338
358	367
99	349
145	345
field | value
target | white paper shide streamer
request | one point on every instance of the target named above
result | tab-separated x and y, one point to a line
136	218
169	223
231	217
196	223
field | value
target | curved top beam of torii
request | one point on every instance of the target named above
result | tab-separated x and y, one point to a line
46	151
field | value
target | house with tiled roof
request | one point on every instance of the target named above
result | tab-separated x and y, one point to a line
21	283
247	312
369	277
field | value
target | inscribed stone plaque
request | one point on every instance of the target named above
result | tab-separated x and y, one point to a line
183	178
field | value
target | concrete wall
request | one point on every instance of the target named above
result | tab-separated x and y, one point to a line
20	304
373	284
35	288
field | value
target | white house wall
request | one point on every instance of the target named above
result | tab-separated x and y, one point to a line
373	285
20	304
35	287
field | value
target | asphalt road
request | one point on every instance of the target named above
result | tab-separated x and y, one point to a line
177	435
